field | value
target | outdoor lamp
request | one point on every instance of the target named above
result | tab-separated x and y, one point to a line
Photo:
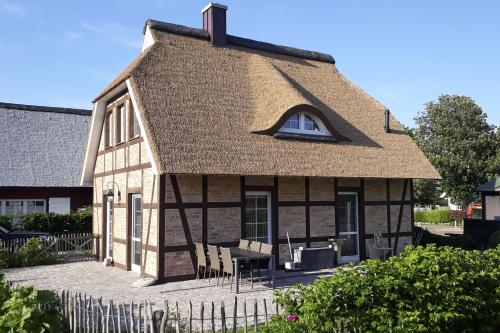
110	195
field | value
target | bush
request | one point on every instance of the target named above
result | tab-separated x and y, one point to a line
424	289
432	216
4	258
74	222
30	254
465	242
25	309
6	221
494	240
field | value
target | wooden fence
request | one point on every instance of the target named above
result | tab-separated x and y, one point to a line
87	315
67	247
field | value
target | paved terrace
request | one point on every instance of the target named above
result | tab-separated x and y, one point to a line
91	278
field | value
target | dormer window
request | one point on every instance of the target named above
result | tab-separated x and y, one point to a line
304	123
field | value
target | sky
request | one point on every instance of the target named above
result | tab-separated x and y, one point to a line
403	53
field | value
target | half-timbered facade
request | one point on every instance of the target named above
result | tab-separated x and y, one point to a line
208	137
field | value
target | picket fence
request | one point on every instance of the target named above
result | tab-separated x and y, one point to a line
88	315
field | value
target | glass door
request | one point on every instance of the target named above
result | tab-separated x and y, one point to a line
136	232
258	216
347	205
109	230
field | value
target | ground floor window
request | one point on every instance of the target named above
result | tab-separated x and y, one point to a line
258	216
136	232
17	208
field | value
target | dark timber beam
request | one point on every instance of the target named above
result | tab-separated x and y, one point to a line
400	217
185	225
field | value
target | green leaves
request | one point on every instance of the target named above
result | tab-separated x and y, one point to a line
74	222
454	135
21	310
427	289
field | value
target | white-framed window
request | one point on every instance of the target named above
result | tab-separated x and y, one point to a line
304	123
120	124
135	129
16	208
108	142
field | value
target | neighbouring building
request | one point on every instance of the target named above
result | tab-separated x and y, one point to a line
208	137
42	156
489	222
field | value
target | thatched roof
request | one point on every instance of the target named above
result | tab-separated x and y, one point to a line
211	110
42	146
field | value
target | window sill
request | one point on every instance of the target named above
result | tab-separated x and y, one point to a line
301	136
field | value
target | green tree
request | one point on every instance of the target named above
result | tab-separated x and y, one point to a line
458	141
427	192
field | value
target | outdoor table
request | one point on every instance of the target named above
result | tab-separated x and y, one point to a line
384	251
238	255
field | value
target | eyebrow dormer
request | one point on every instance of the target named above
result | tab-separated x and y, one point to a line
304	123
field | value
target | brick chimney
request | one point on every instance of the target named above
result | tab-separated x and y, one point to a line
214	21
387	117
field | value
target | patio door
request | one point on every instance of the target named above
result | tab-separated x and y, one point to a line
258	216
109	229
136	243
347	205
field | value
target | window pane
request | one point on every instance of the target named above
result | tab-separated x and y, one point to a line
262	215
350	247
250	202
34	206
262	201
250	215
310	124
14	207
262	230
136	127
292	122
121	124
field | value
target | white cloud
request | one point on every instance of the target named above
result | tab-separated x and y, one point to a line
13	9
73	35
115	32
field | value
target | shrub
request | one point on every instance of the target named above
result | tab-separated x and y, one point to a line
30	254
74	222
4	258
25	309
494	240
6	221
432	216
465	242
424	289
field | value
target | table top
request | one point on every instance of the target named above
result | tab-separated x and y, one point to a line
236	252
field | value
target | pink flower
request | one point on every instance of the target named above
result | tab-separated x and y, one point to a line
292	317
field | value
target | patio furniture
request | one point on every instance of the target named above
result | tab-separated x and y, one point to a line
255	246
239	255
316	258
244	244
381	251
264	264
202	260
227	265
215	265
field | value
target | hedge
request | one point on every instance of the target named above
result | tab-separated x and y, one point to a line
432	216
74	222
424	289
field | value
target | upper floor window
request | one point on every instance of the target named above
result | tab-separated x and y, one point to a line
304	123
108	135
120	124
135	129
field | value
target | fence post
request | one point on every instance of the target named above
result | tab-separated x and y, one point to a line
213	317
190	315
235	314
255	315
164	319
202	313
265	310
245	316
223	317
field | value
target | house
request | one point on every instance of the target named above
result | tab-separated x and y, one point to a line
42	156
489	222
208	137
